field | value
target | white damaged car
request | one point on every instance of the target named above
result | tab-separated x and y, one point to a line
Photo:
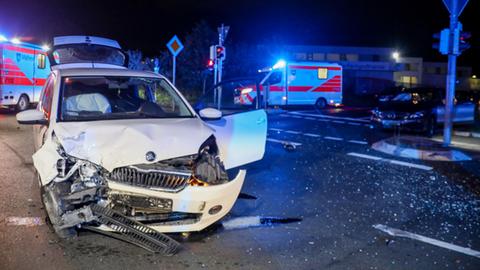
117	148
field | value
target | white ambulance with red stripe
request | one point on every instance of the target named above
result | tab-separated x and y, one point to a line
296	83
23	71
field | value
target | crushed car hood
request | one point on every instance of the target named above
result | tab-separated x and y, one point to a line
117	143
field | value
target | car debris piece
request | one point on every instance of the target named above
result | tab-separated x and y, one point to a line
133	232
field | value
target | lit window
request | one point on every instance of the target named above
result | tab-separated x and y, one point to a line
41	59
322	73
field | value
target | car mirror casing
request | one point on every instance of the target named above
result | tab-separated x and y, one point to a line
31	117
210	114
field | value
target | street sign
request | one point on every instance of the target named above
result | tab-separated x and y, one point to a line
223	32
455	7
175	46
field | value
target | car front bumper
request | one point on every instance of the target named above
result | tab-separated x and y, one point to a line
192	199
409	124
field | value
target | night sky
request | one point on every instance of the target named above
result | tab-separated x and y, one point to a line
147	25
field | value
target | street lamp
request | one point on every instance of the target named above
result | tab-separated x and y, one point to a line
396	55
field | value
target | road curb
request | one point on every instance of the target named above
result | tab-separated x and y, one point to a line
419	148
467	134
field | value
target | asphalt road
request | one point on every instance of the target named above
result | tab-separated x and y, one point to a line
338	193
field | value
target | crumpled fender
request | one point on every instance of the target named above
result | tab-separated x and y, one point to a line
45	161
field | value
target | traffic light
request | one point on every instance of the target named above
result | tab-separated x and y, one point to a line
443	39
220	52
210	64
464	44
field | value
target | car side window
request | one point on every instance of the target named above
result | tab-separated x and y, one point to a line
47	97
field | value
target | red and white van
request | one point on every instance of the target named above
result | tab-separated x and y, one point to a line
23	71
297	83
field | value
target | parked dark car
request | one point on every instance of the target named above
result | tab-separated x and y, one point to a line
420	110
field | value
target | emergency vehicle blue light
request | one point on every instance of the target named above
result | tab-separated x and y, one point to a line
15	41
280	64
3	38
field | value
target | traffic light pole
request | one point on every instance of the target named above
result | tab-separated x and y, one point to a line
451	77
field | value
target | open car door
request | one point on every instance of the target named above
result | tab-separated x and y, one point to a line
242	131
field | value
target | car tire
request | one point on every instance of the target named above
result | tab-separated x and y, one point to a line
23	103
431	128
321	104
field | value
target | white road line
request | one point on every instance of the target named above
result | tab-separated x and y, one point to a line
357	142
392	161
296	116
364	156
275	129
309	118
24	221
338	122
284	142
330	117
292	132
312	135
333	138
354	124
428	240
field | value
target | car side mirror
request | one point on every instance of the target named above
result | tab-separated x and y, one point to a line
210	114
31	117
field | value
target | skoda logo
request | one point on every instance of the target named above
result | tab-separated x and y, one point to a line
150	156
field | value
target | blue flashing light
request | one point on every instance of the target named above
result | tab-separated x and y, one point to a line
3	38
15	41
280	64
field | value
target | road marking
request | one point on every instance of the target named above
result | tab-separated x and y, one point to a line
364	156
358	142
24	221
292	132
309	118
312	135
428	240
276	129
296	116
284	142
392	161
330	117
354	124
338	122
333	138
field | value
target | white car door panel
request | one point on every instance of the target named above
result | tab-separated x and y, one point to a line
241	137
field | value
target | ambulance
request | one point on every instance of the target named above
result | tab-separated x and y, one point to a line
296	83
23	71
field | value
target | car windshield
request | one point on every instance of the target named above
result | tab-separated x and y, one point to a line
102	98
410	97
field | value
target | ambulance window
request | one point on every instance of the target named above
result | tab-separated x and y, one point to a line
322	73
47	97
275	77
41	60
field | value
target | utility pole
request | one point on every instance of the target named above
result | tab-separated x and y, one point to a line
455	7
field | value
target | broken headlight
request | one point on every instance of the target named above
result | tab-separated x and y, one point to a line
208	169
84	173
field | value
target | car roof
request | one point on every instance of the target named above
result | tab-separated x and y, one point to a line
107	72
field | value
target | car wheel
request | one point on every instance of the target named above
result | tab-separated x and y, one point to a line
53	209
320	104
431	127
23	103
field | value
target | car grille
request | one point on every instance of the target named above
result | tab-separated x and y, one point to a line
152	179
